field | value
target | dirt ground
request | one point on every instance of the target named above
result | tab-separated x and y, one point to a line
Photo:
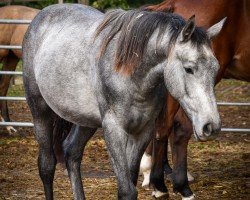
221	167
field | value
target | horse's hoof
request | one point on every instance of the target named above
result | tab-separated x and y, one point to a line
190	177
192	197
11	130
160	195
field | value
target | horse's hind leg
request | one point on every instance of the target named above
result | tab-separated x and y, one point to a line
43	118
9	64
73	150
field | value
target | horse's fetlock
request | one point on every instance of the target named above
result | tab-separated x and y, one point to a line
131	195
180	185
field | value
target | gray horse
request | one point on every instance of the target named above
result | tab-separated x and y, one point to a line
112	71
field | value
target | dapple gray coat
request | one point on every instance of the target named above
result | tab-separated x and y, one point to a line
65	75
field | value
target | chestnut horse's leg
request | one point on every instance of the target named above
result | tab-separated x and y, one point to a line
157	171
9	64
182	133
167	168
164	127
146	164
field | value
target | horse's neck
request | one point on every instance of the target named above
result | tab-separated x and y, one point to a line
151	71
152	79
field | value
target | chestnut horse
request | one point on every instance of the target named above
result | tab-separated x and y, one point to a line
11	34
232	50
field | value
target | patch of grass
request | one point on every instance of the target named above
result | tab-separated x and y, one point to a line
16	90
233	90
4	141
19	66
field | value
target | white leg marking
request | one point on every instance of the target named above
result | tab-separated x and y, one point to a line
190	177
158	194
145	169
10	129
192	197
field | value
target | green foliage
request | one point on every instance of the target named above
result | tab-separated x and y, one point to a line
105	4
99	4
139	3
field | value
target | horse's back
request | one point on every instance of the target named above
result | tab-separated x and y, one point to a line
56	50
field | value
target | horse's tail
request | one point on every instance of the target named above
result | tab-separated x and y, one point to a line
60	132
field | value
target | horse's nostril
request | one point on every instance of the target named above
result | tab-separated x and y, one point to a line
207	129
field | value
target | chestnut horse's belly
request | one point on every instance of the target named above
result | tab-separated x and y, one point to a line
239	68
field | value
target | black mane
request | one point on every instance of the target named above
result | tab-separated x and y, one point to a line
136	27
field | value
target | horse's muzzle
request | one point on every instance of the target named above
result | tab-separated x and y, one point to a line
209	132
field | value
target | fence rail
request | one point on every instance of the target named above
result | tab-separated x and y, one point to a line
15	21
10	47
29	124
233	103
11	73
20	124
12	98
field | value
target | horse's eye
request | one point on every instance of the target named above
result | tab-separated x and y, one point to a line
189	70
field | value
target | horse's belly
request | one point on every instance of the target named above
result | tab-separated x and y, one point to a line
79	110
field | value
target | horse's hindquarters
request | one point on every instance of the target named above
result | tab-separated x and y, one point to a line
57	48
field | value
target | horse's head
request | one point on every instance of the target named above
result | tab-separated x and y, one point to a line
190	77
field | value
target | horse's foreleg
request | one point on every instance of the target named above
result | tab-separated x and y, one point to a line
116	139
146	164
9	64
164	127
73	150
167	168
135	148
157	172
181	136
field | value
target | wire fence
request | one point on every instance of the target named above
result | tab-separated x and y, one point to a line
29	124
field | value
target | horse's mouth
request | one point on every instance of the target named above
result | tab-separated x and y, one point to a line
196	135
200	138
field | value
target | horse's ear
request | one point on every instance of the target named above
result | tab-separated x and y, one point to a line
188	29
215	29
